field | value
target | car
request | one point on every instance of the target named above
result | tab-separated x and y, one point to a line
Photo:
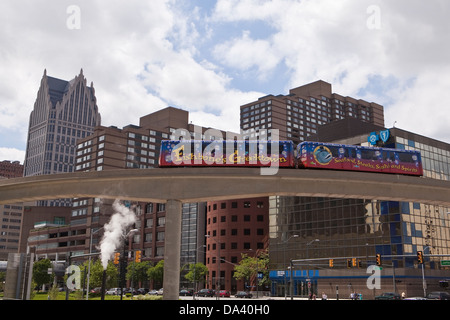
185	292
206	293
142	291
415	298
113	291
243	294
388	296
96	290
130	290
224	293
438	295
153	292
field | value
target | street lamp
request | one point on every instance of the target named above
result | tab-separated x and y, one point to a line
307	246
424	282
126	241
307	256
284	263
89	265
218	266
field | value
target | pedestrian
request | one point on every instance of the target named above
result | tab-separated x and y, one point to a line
403	295
324	296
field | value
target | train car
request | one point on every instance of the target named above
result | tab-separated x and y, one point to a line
357	158
191	153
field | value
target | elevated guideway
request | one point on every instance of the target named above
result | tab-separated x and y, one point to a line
175	186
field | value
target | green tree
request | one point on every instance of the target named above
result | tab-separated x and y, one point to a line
137	272
40	272
156	273
249	266
197	272
96	275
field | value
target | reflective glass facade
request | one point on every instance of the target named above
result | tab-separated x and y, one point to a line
321	228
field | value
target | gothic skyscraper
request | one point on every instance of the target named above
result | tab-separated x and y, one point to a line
64	112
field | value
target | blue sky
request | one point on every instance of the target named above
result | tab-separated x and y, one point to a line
209	57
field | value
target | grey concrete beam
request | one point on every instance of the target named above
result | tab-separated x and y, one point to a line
207	184
172	251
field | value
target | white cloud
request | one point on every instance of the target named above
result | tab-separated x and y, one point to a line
146	55
12	154
331	40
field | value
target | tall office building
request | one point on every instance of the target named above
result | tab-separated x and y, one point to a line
11	214
64	112
300	113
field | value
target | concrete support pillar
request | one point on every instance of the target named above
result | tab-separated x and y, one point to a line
172	250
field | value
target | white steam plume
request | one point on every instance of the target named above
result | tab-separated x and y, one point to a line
113	234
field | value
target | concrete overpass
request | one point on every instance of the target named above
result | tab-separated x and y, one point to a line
175	186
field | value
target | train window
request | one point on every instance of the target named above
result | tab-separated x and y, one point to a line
405	157
388	156
334	151
351	153
367	154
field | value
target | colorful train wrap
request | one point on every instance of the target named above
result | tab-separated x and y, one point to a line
226	153
356	158
307	155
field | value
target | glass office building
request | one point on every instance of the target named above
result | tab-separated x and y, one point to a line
310	231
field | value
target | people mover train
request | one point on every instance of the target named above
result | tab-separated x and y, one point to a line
307	155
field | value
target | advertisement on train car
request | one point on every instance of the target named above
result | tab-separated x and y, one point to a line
356	158
227	153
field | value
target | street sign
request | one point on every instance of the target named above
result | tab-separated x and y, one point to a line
445	263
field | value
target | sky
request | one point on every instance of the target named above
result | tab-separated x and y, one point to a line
209	57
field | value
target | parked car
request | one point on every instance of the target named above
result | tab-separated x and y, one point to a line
113	291
243	294
185	292
130	290
224	293
388	296
438	295
152	292
206	293
142	291
96	290
160	292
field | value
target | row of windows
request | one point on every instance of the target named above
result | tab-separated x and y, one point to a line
234	218
234	205
234	232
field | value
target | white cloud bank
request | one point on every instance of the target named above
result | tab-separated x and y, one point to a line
146	55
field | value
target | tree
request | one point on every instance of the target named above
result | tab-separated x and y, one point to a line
137	271
40	272
249	267
96	276
156	273
197	272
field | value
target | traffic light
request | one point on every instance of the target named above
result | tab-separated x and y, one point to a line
138	255
331	263
420	257
116	257
353	262
359	263
378	259
349	263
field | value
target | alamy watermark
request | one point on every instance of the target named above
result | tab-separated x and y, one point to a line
73	21
374	280
374	20
74	277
